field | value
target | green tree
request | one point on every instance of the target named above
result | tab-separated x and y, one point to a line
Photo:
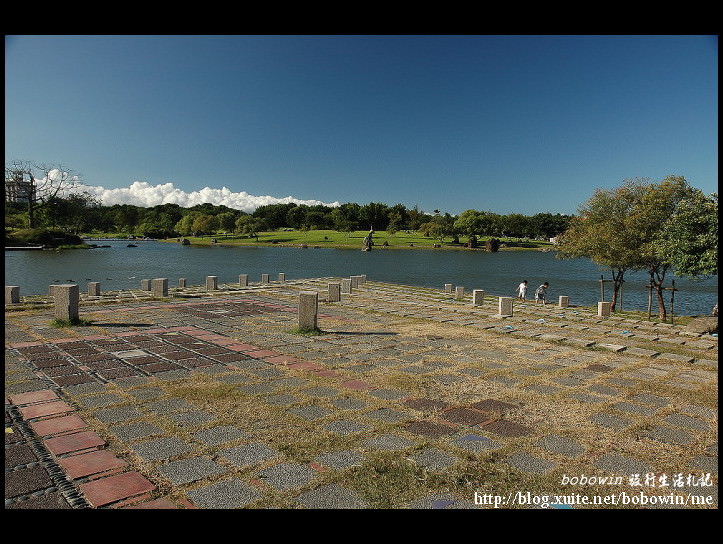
621	229
227	221
599	232
374	216
689	239
184	226
205	224
251	226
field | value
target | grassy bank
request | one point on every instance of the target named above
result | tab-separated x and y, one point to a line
354	240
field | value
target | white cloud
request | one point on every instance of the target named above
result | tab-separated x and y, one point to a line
141	193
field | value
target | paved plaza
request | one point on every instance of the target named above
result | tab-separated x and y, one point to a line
408	398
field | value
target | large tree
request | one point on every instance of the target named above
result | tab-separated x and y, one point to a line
689	239
621	228
599	232
38	184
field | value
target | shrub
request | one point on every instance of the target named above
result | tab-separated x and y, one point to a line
44	237
493	244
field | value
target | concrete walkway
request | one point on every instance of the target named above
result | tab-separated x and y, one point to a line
409	398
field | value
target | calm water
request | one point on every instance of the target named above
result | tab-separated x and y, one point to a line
121	267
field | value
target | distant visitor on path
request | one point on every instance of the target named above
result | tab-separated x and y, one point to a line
522	290
541	293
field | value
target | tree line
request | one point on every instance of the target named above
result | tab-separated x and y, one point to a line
41	198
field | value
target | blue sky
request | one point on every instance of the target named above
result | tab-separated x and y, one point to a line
509	124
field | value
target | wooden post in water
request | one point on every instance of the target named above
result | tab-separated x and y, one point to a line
672	298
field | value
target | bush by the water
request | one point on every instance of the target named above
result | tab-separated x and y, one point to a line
42	237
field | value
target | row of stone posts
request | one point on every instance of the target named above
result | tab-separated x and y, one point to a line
505	304
212	282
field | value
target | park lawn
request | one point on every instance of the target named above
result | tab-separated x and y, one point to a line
353	240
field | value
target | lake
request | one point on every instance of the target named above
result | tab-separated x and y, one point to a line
121	267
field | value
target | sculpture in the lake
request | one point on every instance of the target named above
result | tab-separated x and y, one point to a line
368	241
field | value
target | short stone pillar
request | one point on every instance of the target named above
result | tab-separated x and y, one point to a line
478	296
346	286
282	276
354	281
308	309
603	309
447	287
334	292
459	292
264	278
94	288
67	299
182	282
363	278
145	285
12	294
564	301
505	306
243	280
211	283
160	287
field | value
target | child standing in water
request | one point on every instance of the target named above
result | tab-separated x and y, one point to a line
541	293
522	290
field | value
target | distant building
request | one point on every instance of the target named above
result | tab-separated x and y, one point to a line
17	189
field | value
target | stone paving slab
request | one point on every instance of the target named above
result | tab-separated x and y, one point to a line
398	383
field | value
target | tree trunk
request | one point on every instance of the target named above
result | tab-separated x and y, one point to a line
657	277
617	284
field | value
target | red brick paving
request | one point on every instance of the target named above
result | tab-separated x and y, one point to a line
357	385
464	416
115	488
68	443
57	425
94	462
45	409
34	396
430	429
507	428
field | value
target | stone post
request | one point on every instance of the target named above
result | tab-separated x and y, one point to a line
160	287
459	293
505	306
282	276
145	285
346	286
243	280
264	278
211	283
94	288
182	282
603	309
12	294
308	309
354	282
564	301
478	296
447	287
66	301
363	278
334	292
